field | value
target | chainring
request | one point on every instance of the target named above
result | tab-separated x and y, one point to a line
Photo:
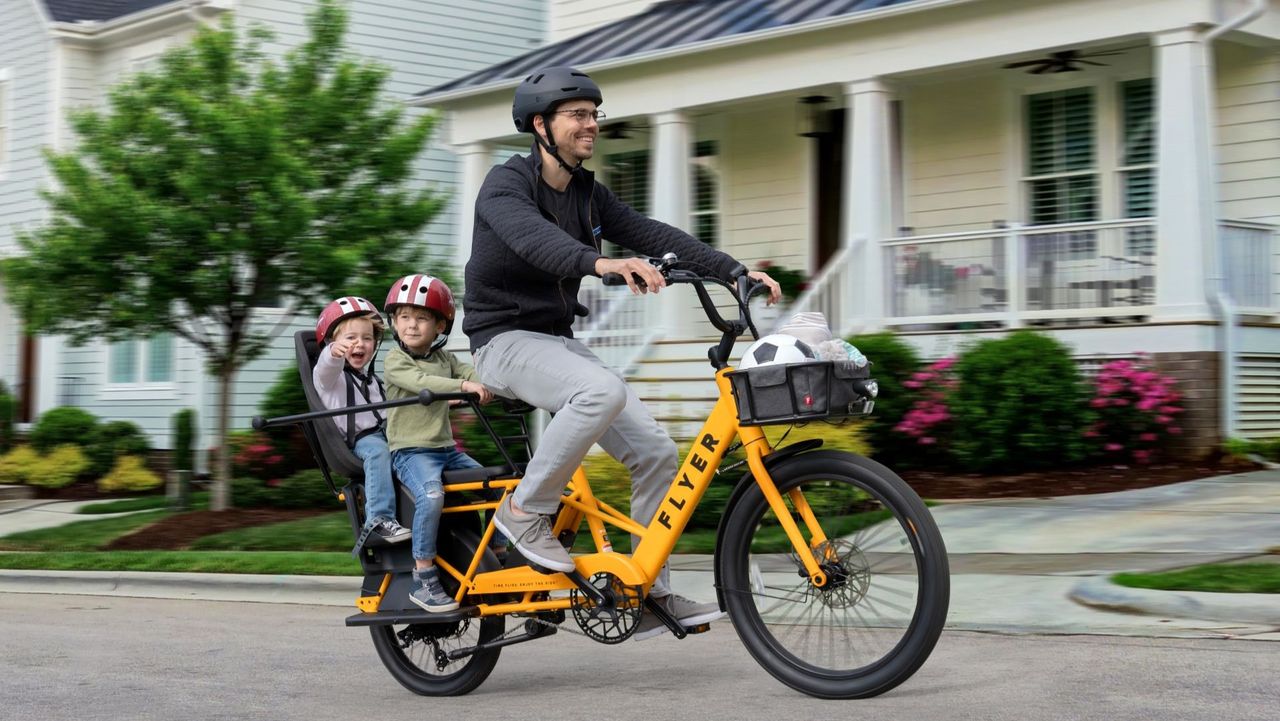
608	624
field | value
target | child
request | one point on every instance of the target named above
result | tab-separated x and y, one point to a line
348	332
422	448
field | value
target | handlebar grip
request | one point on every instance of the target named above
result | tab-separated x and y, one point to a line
616	279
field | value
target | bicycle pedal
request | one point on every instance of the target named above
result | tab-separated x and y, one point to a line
700	628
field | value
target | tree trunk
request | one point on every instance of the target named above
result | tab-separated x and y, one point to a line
220	498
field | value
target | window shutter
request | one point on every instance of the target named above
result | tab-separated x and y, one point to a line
1061	135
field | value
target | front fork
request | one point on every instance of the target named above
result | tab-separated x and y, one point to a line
757	448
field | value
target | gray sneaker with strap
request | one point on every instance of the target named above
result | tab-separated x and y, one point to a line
428	594
687	611
531	535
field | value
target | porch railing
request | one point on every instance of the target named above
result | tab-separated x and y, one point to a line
828	293
1250	258
617	328
1008	276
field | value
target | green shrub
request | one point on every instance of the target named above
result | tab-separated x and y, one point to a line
184	435
476	442
1020	404
305	489
129	474
112	440
286	397
59	468
16	465
63	425
893	362
8	412
1266	448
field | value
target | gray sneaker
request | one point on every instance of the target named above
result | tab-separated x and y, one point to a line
531	535
687	611
390	530
429	595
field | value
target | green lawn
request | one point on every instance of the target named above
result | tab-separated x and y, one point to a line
199	501
268	562
79	536
1218	577
330	532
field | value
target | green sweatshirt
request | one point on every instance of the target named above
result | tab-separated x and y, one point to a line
419	426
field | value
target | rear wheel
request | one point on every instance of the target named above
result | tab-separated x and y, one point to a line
877	618
417	655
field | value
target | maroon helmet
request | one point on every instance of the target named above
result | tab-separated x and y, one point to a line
339	310
422	291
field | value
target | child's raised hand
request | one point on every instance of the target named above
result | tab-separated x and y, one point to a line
338	348
485	394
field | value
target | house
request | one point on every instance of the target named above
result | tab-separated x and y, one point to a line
56	55
1107	172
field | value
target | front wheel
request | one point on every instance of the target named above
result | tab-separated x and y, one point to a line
876	620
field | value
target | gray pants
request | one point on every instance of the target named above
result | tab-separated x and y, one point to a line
592	404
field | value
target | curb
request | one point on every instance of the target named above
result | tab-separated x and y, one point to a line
1255	608
310	590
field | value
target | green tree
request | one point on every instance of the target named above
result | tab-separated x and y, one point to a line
225	182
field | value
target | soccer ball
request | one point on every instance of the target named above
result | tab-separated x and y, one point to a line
776	348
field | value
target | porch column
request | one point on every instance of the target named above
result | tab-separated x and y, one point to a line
474	160
867	200
1185	209
669	202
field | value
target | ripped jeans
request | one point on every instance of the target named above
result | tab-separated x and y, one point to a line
420	471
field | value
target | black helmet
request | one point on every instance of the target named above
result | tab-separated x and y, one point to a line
544	89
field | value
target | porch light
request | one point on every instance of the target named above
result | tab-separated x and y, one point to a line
813	119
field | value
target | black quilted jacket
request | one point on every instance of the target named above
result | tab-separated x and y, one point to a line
524	271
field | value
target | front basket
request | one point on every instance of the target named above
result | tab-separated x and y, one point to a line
799	392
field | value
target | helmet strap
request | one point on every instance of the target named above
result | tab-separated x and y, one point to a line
551	148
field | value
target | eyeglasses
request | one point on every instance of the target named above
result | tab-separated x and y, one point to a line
581	114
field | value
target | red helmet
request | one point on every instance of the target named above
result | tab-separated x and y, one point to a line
422	291
338	311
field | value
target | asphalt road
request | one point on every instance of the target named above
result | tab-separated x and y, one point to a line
81	657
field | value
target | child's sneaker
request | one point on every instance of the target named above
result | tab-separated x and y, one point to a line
389	530
428	594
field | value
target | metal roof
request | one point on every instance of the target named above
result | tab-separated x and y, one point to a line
665	25
70	11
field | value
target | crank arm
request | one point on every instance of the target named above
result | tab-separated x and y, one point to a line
663	615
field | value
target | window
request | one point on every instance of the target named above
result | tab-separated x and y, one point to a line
1137	161
134	361
627	175
1062	174
706	193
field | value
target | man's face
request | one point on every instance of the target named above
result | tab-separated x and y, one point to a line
576	139
417	327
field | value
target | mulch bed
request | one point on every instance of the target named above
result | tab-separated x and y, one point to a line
1068	482
179	531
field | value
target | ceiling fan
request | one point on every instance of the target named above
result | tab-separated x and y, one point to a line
1063	61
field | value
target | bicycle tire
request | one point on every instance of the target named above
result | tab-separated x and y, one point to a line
410	659
760	574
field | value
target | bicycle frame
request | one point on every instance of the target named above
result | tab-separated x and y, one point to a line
657	541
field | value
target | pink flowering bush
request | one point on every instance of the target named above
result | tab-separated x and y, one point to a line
253	455
928	420
1136	411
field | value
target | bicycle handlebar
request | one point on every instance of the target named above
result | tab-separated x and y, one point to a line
424	397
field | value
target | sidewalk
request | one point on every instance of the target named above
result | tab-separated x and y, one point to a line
1018	566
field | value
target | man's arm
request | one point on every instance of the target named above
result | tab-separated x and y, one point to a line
629	228
505	205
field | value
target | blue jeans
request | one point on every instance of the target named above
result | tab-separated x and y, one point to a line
379	494
420	471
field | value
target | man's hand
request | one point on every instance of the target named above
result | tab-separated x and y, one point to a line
775	290
485	394
626	266
339	349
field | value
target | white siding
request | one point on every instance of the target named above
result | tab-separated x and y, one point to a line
766	197
956	161
574	17
25	53
1248	133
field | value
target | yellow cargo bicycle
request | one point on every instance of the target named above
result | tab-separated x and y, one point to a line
829	566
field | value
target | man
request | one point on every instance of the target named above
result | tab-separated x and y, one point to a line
538	225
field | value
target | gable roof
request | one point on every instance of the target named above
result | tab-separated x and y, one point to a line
70	11
666	25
